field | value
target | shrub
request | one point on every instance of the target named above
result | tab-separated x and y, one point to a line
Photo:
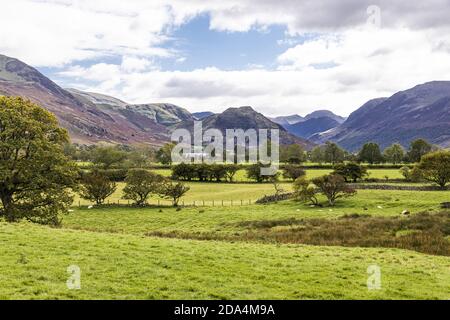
183	171
350	171
254	172
413	174
217	172
293	172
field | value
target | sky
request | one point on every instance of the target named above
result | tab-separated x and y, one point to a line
281	57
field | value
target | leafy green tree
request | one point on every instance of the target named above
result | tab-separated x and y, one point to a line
317	154
293	172
413	174
174	191
333	153
218	171
96	187
417	149
106	157
435	167
140	184
350	171
139	157
304	191
164	154
370	153
254	172
292	153
333	186
394	153
35	175
231	170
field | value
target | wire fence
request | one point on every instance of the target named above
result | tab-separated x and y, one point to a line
183	203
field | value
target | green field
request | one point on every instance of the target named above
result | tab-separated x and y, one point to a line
151	253
221	219
241	175
122	266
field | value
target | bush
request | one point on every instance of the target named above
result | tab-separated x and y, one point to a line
350	171
293	172
254	172
413	174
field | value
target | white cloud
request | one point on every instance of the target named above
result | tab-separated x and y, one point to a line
340	69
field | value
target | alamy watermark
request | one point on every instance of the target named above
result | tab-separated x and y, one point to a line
374	278
237	146
74	280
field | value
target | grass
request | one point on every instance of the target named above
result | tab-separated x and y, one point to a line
219	219
205	191
35	260
310	173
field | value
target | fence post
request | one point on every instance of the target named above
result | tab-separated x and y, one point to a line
222	203
79	204
241	202
213	203
231	202
203	202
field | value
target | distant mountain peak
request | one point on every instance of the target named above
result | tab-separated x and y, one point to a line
324	113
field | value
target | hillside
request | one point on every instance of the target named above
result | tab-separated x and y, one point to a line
420	112
307	128
202	115
287	120
245	118
90	117
324	114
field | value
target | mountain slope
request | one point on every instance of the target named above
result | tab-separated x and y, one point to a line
245	118
287	120
202	115
420	112
323	114
307	128
162	113
89	118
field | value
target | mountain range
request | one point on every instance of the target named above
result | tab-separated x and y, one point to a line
420	112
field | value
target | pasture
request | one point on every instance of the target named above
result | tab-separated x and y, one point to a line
229	251
125	266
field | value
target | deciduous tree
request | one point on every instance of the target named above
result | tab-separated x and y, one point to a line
35	175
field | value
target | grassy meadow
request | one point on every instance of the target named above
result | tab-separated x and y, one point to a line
126	266
234	250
